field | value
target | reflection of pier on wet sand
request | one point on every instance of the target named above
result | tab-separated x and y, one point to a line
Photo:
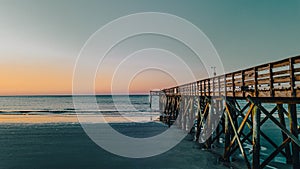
247	102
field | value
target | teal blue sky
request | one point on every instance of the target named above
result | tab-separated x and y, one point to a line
50	34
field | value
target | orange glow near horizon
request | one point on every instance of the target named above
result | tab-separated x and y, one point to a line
43	79
34	79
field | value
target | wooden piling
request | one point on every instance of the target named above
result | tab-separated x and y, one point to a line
256	138
294	131
284	136
227	137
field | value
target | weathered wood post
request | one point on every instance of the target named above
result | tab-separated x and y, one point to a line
183	118
209	124
284	136
256	137
192	113
199	110
227	132
218	112
150	101
294	130
293	115
160	98
177	107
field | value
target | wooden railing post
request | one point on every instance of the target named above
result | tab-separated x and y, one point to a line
292	78
233	85
243	83
255	82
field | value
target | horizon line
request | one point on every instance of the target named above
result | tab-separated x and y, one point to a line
118	94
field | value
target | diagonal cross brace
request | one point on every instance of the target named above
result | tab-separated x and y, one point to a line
238	138
283	129
241	125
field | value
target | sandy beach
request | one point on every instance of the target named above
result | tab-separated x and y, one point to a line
60	137
66	146
34	119
62	118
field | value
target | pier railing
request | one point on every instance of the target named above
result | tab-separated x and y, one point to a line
238	100
276	79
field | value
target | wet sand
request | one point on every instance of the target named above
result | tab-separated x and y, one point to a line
58	141
66	146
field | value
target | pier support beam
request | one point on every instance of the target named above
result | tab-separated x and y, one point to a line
256	138
227	137
209	133
284	136
294	131
218	130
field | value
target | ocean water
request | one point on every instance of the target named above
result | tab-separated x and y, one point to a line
134	105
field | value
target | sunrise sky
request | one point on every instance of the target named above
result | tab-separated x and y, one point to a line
40	41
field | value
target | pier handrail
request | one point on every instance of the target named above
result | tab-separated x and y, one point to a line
275	79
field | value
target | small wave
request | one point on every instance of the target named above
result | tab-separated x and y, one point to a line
69	109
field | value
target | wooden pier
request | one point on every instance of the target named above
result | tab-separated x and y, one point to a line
230	110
